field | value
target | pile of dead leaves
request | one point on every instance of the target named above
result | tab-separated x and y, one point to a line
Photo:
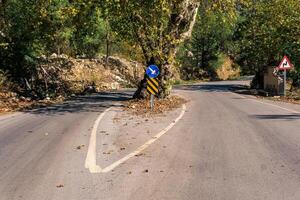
142	107
10	102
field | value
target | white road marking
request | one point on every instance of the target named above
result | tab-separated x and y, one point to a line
90	161
262	102
91	157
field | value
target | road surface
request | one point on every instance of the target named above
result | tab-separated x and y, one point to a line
226	147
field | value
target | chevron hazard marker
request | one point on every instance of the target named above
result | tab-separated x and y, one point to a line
152	88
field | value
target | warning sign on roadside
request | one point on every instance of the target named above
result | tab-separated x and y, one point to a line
152	86
285	64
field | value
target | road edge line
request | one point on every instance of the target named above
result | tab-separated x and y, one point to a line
266	103
90	161
147	144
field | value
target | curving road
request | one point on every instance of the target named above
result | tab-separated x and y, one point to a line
227	147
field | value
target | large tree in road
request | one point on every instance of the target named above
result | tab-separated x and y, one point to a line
157	26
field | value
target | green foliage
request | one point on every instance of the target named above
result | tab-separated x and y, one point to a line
3	79
212	37
31	28
266	31
218	62
156	26
254	33
90	31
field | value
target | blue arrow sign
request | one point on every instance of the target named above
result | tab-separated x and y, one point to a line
152	71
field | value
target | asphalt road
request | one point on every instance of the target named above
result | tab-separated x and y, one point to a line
226	147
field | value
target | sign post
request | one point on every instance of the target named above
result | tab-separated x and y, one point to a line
284	65
152	83
284	82
152	101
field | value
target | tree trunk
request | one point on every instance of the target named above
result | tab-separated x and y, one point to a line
107	44
163	51
141	92
164	80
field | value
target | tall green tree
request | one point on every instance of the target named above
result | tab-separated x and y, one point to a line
91	29
267	31
31	28
212	35
157	27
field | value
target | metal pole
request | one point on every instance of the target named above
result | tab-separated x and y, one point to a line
284	83
152	101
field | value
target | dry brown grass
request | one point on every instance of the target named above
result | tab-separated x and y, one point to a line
227	71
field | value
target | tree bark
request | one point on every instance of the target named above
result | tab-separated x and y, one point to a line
107	44
141	92
165	80
179	28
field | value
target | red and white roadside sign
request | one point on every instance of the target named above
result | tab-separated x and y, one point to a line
285	64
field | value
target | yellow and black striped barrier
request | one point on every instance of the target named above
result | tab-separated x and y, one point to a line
152	86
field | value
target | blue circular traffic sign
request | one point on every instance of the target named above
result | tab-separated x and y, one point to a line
152	71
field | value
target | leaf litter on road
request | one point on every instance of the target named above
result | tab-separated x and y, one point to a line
60	186
142	107
80	147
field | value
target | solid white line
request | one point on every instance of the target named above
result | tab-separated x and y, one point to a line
273	105
91	159
147	144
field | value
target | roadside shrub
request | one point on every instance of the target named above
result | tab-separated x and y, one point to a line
223	68
295	76
3	80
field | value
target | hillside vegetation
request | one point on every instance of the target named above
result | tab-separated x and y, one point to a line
59	77
197	39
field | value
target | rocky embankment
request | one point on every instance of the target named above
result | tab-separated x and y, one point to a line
58	77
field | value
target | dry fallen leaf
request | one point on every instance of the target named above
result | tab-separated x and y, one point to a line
140	154
142	107
60	186
108	152
80	147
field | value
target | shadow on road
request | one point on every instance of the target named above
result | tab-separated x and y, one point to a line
209	87
90	103
279	117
